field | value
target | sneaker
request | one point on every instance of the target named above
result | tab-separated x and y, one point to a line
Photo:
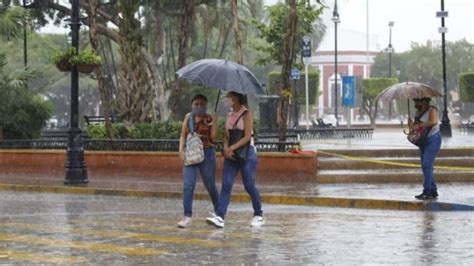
185	222
215	221
427	196
257	221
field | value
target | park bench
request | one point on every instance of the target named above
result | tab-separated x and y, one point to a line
98	119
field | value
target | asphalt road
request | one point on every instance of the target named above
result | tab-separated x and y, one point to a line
71	229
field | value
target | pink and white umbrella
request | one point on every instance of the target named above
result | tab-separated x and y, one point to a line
406	91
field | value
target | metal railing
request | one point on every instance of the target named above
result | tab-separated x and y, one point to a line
131	145
467	128
321	133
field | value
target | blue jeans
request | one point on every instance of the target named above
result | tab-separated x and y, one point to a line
247	170
428	153
207	168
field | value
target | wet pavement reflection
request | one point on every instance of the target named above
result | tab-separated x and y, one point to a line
71	229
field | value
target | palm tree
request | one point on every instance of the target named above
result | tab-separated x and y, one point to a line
11	23
9	83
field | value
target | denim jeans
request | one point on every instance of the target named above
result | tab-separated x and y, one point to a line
247	170
207	168
428	154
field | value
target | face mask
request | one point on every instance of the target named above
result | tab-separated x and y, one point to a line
199	110
228	103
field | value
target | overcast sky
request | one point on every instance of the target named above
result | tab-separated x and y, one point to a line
415	20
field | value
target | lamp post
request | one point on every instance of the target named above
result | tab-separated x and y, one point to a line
25	46
445	126
390	51
335	18
75	166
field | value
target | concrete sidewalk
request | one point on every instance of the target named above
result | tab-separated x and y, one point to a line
453	196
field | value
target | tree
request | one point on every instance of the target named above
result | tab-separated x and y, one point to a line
281	35
94	40
237	34
372	87
275	30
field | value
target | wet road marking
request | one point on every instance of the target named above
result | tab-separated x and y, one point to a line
13	256
117	235
205	230
82	245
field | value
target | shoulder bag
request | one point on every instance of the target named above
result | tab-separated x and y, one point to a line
419	137
235	135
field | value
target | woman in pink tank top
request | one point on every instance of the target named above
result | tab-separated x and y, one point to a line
239	118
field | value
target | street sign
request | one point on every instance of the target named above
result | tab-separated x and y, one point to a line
295	73
348	90
442	14
443	30
306	50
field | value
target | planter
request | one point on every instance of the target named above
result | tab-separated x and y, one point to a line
64	65
86	68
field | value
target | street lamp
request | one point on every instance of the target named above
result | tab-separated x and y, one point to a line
335	18
445	126
75	166
390	51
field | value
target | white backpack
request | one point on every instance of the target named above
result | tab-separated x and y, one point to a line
194	150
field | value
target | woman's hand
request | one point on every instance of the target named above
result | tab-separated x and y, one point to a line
229	153
181	156
214	118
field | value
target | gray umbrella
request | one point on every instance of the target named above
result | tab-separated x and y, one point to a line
221	74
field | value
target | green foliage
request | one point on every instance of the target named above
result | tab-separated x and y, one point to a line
374	86
423	64
59	56
88	56
466	86
313	85
275	32
169	129
11	23
22	112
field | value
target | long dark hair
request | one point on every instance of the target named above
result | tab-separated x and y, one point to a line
199	96
242	98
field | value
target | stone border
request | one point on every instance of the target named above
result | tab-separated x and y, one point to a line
266	198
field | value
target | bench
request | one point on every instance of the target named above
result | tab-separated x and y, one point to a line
55	134
319	123
98	119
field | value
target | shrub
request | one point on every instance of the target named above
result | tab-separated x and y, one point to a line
466	86
170	129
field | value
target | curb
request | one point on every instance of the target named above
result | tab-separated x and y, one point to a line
358	203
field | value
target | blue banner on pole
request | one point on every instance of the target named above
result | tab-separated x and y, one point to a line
348	91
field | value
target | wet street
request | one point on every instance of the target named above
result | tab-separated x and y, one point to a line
67	229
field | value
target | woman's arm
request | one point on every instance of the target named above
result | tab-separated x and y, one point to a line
214	126
182	138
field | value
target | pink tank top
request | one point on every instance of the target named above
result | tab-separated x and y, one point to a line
232	117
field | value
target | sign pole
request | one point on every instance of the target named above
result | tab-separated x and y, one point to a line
306	54
307	98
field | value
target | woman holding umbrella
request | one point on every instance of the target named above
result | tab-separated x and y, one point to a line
427	117
240	118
